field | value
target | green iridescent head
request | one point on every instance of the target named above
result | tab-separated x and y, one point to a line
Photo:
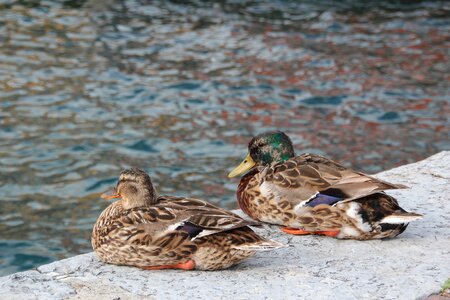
264	149
269	147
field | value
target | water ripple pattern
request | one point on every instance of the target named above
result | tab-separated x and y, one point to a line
90	88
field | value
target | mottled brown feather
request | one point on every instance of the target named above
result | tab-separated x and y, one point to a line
301	177
148	236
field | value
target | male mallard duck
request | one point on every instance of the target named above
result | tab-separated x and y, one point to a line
310	194
165	232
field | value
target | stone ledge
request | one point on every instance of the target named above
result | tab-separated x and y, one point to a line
411	266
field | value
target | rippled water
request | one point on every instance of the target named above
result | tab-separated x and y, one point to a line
89	88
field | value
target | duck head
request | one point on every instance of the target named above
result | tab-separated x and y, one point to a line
135	188
265	149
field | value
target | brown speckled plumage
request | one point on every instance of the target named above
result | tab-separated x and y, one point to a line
280	191
170	230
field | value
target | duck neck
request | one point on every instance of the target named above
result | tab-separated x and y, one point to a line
243	198
149	199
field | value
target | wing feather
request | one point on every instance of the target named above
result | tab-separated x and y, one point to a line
204	215
302	177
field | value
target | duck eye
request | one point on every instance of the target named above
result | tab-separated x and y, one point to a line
132	189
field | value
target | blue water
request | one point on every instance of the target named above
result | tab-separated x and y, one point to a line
90	88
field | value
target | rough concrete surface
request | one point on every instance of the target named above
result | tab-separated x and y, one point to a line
411	266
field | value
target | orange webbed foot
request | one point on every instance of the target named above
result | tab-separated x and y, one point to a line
189	265
332	233
296	231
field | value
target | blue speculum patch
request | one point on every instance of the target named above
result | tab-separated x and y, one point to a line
323	199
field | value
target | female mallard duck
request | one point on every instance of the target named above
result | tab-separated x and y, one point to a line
310	194
153	233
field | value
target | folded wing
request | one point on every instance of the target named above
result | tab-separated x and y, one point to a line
304	177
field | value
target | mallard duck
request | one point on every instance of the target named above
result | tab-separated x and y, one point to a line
310	194
164	232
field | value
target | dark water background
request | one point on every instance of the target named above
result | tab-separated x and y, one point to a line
89	88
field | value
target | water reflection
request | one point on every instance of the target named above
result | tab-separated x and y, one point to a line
89	88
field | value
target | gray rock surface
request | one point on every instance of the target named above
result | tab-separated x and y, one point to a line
411	266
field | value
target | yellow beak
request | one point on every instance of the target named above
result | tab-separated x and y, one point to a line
246	165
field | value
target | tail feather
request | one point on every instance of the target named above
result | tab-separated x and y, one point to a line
401	217
262	245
